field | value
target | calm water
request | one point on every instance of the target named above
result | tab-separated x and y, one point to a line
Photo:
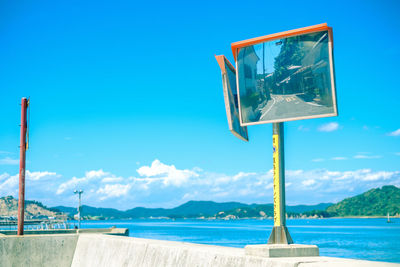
369	239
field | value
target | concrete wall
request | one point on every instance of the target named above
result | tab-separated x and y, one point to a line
106	250
102	250
37	250
110	231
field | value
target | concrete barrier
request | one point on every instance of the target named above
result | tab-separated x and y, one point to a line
107	250
108	231
101	250
37	250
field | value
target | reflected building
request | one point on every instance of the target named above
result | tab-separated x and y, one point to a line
247	72
315	80
310	77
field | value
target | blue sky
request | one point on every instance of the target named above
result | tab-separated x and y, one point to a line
127	102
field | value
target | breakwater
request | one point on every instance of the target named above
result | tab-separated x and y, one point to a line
98	250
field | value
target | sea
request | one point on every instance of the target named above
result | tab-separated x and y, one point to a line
357	238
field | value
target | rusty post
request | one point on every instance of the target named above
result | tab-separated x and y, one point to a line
22	149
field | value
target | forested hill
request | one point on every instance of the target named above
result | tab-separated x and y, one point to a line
33	209
191	209
375	202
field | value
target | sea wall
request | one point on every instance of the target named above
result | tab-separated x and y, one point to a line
37	250
106	250
108	231
101	250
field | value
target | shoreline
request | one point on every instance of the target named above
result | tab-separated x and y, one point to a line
237	219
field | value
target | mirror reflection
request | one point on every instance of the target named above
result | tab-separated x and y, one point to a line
230	94
286	79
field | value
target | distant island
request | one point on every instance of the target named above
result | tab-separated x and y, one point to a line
375	202
33	209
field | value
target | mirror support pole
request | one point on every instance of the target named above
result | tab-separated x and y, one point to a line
280	233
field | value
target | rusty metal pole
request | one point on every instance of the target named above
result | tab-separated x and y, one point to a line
22	149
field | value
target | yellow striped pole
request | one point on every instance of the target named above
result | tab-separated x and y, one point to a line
280	233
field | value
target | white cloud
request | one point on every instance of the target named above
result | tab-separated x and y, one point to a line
35	176
246	192
4	176
105	189
329	127
9	161
308	182
114	190
156	168
68	185
242	175
223	180
112	179
394	133
74	181
167	173
363	156
317	160
95	174
374	176
339	158
9	183
303	128
188	196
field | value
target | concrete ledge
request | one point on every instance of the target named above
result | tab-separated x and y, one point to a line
109	231
282	250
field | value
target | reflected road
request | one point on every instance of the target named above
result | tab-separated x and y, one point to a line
288	106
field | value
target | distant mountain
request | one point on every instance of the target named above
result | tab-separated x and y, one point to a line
190	209
250	211
88	211
33	209
141	212
305	208
67	210
267	210
375	202
203	208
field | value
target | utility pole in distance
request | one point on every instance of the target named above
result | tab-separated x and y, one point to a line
79	192
22	154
